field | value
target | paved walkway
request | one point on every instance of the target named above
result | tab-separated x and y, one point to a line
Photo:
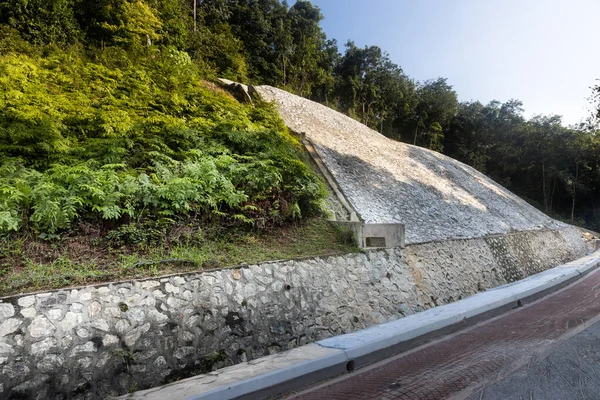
492	360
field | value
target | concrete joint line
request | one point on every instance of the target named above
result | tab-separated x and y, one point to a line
312	151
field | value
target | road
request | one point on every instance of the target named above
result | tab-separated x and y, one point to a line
549	349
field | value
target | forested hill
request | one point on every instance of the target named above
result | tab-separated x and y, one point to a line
268	42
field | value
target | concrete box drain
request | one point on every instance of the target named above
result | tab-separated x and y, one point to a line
375	242
375	235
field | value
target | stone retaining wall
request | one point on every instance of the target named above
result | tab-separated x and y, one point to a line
110	339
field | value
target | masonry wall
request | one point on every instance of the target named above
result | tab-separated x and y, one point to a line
110	339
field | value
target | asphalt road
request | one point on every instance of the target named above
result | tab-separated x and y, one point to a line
569	370
549	349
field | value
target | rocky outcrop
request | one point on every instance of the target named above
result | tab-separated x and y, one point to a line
241	92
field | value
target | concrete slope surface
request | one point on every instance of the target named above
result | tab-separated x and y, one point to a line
435	196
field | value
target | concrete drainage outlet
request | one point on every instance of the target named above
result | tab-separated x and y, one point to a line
375	242
350	366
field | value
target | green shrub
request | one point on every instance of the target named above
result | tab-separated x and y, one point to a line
139	135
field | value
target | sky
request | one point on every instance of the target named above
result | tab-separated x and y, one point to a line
542	52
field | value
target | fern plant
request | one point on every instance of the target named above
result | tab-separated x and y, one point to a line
139	135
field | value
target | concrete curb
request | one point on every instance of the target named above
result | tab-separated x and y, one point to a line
330	365
288	371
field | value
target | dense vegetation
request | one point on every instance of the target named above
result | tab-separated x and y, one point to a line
119	157
135	136
104	115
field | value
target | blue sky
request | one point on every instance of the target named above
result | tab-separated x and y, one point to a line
542	52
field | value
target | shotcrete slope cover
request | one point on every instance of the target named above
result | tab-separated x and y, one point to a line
435	196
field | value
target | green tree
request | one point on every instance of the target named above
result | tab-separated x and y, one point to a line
43	21
370	86
307	43
139	24
175	20
437	104
324	89
260	25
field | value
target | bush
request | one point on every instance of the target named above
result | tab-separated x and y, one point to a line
139	135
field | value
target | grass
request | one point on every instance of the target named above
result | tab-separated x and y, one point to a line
88	255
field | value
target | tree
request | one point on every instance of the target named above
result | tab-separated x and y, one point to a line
306	44
260	26
139	24
323	89
542	156
370	86
220	50
436	106
43	21
175	20
465	134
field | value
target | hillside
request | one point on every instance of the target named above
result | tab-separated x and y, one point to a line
124	138
130	163
386	181
270	42
120	158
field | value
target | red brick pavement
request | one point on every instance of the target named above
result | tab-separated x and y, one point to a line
448	366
